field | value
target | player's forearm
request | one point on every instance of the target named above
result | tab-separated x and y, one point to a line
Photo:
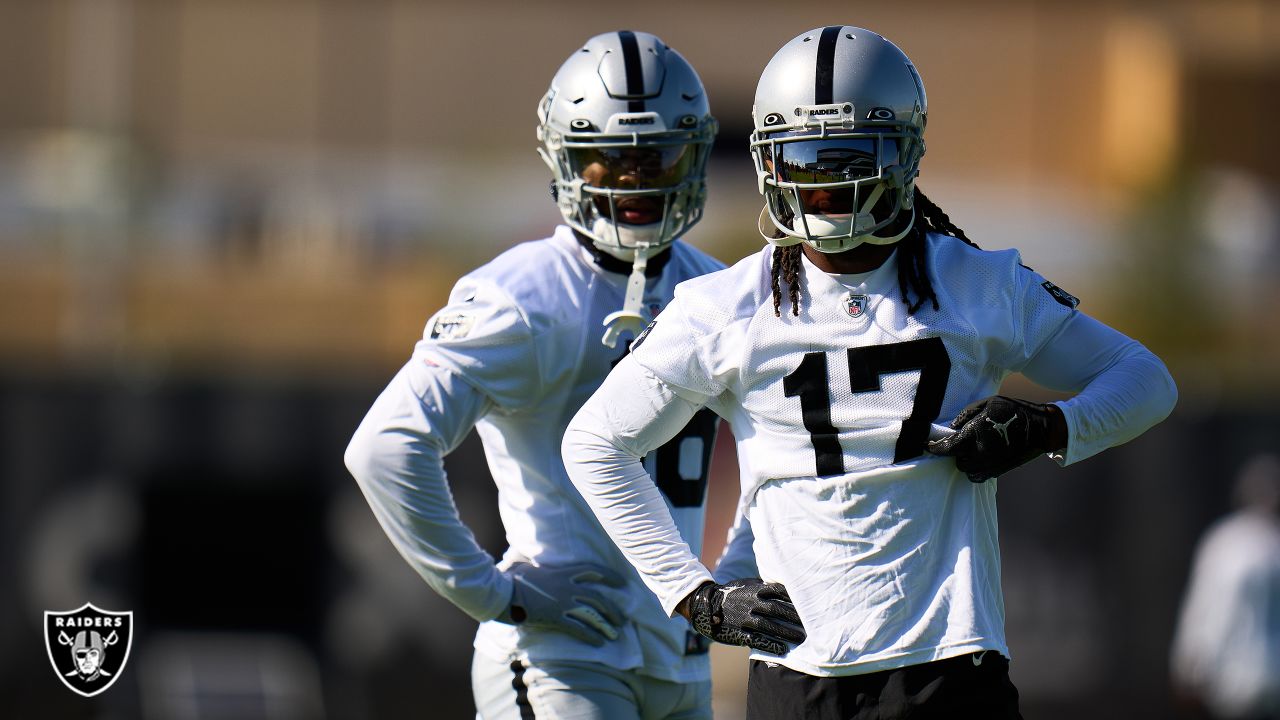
631	414
1121	388
738	560
396	457
1120	404
408	493
633	513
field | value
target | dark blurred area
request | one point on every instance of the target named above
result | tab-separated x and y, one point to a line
224	223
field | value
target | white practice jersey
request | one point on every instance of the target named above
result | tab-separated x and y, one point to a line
890	554
514	353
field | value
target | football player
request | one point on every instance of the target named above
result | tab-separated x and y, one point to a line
567	629
858	359
1226	648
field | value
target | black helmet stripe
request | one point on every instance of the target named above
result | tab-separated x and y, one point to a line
635	72
823	79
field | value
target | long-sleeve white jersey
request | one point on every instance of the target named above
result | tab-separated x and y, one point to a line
514	354
890	554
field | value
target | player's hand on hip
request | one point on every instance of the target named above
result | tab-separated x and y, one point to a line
996	435
568	598
747	612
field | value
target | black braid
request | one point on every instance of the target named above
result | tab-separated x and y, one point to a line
786	265
937	219
913	274
910	275
912	266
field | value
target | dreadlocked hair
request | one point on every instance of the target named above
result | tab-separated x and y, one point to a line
912	273
786	265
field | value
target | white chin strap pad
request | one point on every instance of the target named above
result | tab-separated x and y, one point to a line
838	240
621	240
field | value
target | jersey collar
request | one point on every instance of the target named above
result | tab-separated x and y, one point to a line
872	282
622	267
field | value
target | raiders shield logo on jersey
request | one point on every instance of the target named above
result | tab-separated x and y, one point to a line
88	647
855	305
1062	296
451	326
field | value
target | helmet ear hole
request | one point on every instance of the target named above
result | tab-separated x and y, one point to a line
581	124
687	121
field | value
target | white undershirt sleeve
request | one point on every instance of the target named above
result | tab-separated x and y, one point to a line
1123	389
738	560
631	414
397	458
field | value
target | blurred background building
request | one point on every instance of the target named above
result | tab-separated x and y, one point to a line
223	224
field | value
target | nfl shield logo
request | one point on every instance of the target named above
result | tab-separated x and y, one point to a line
856	305
88	647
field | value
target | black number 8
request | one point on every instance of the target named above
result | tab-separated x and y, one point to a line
679	468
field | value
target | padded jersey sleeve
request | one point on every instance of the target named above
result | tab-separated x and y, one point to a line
1041	309
484	337
476	355
397	458
674	352
1122	388
632	413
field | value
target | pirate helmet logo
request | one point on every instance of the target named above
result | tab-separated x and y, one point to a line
88	647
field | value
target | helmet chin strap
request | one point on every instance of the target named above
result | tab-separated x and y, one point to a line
895	181
878	240
629	317
638	244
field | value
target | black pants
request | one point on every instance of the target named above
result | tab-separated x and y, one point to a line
951	688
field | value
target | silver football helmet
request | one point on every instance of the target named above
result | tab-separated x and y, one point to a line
626	130
839	121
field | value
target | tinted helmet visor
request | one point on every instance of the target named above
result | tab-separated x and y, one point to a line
649	167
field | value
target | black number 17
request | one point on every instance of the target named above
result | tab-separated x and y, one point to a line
811	383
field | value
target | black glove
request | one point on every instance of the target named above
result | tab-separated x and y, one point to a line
747	612
996	435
